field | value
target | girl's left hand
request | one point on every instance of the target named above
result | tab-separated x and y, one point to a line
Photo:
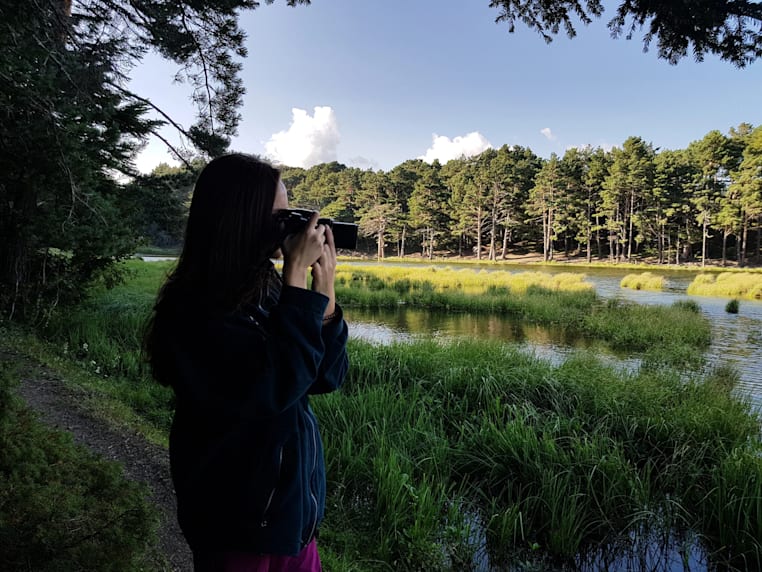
324	272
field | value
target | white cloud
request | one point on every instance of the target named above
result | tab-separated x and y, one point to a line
445	149
152	154
308	141
548	134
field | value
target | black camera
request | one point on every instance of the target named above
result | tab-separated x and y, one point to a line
291	221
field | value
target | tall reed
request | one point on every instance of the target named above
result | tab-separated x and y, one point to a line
746	285
643	281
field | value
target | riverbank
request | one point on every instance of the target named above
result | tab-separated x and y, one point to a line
531	258
116	499
536	259
445	454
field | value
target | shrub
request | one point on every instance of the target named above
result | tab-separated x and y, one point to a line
732	307
61	508
644	281
687	305
746	285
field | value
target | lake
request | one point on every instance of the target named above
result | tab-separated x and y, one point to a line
736	338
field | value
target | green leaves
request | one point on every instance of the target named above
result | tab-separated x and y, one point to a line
730	30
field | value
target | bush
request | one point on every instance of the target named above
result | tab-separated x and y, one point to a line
688	306
644	281
732	307
61	508
746	285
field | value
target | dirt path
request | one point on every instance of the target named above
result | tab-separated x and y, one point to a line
60	407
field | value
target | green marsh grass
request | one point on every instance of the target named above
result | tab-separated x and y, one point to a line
104	335
745	285
432	446
466	281
643	281
563	300
563	457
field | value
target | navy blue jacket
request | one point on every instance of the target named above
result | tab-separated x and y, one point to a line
245	449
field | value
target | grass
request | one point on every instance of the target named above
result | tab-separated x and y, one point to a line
158	251
564	301
61	507
103	334
643	281
744	285
441	455
427	439
575	263
466	281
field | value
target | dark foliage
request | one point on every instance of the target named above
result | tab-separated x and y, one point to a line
731	30
62	509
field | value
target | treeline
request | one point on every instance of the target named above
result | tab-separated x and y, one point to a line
701	202
671	206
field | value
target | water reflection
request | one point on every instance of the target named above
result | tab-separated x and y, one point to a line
736	338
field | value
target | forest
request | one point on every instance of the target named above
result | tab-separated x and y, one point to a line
632	202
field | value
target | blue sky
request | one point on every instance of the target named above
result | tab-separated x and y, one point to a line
370	83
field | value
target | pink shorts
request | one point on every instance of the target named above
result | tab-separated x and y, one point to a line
306	561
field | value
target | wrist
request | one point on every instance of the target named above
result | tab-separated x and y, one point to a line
330	316
294	276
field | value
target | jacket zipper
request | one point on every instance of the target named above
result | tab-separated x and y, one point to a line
263	524
312	474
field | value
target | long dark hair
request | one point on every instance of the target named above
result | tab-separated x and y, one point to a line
229	239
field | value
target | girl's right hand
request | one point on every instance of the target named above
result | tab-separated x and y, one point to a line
301	250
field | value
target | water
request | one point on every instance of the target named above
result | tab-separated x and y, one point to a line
736	338
155	258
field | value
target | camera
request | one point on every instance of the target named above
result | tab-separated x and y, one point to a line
291	221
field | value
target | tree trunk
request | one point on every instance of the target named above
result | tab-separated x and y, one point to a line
629	232
598	236
505	236
742	261
431	243
402	242
724	246
492	249
677	249
612	245
380	245
589	244
544	236
703	240
479	233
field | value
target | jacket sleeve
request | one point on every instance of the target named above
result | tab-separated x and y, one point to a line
335	363
268	368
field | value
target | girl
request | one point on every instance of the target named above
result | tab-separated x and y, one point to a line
243	347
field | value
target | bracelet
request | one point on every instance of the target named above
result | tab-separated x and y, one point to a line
330	316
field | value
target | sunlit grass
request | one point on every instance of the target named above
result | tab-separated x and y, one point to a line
431	446
430	437
732	285
564	301
643	281
467	281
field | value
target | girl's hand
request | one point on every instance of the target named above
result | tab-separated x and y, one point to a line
302	250
324	272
